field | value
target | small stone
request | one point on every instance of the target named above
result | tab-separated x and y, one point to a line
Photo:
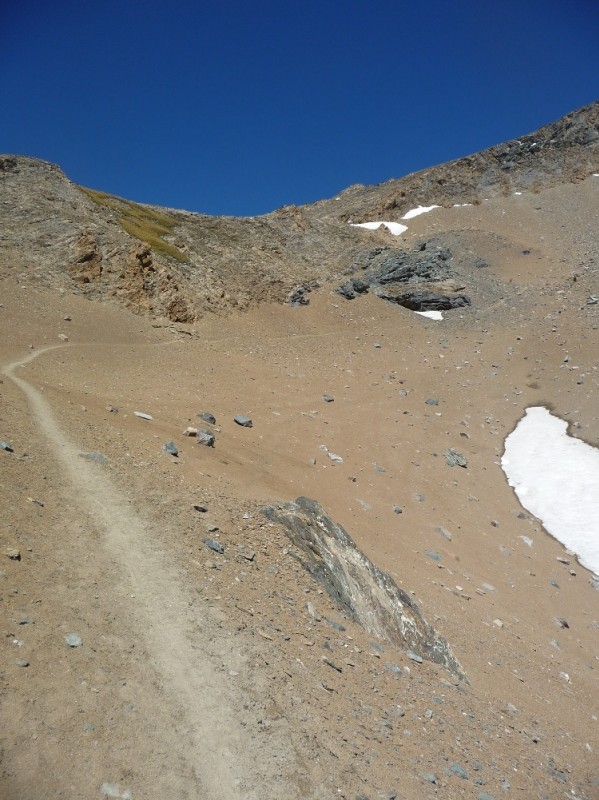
336	625
214	545
397	510
112	409
335	458
561	622
93	456
207	417
205	437
485	796
63	337
88	728
13	554
201	509
554	583
455	769
432	401
73	640
428	776
378	468
6	446
434	555
189	431
327	398
445	533
22	662
171	448
143	415
455	458
414	657
245	422
249	555
377	345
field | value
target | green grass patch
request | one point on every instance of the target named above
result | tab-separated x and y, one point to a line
140	221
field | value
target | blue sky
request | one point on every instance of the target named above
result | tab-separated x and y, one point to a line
241	107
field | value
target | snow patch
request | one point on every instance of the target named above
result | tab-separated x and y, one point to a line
430	314
415	212
395	228
556	478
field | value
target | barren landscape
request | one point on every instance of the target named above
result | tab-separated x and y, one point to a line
162	636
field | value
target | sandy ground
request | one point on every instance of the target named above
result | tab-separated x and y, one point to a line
202	675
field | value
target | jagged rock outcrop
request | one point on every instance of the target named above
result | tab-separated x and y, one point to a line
87	267
420	279
366	594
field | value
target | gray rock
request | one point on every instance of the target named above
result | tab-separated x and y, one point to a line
485	796
455	458
594	581
327	398
428	776
432	401
214	545
398	509
22	662
414	657
336	625
298	297
554	583
205	437
73	640
456	769
434	555
170	448
142	415
366	594
6	446
207	417
245	422
93	456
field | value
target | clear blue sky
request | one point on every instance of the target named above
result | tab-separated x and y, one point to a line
243	106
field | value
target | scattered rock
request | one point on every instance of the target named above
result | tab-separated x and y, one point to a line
434	555
327	398
214	545
189	431
22	662
142	415
207	417
6	446
170	448
245	422
73	640
93	456
205	437
13	554
455	459
63	337
397	509
432	401
114	790
335	458
456	769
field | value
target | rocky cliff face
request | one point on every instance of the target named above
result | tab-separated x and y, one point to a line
181	265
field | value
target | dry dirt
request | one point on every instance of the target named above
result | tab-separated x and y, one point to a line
202	675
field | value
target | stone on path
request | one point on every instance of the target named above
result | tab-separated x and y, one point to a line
6	446
205	437
455	458
207	417
170	448
73	640
142	415
214	545
245	422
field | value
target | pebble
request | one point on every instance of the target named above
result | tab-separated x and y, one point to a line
205	437
245	422
63	337
214	545
13	554
432	401
335	458
434	555
93	456
414	657
73	640
142	415
207	417
397	509
455	769
189	431
429	776
170	448
327	398
22	662
114	790
455	458
6	446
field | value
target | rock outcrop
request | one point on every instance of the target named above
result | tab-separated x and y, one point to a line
366	594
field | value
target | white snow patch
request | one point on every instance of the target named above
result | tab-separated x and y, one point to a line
430	314
415	212
396	228
556	478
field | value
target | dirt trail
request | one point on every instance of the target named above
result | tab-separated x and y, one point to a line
214	749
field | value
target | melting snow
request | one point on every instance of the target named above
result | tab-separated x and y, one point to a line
556	478
396	228
430	314
415	212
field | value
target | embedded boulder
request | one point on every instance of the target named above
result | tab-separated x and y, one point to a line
366	594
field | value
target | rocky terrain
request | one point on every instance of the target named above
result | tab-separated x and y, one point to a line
256	538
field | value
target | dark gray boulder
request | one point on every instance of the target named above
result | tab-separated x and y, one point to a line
205	437
366	594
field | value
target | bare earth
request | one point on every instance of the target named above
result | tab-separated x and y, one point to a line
202	675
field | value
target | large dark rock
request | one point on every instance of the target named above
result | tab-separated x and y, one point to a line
419	279
367	595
